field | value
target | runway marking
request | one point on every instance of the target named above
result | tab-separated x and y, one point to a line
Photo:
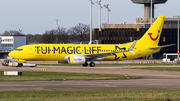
110	86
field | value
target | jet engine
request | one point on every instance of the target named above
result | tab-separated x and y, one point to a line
74	59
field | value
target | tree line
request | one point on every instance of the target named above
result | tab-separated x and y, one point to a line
78	33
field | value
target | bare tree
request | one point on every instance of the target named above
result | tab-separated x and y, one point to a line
12	33
80	32
6	33
37	37
62	35
72	35
48	37
30	38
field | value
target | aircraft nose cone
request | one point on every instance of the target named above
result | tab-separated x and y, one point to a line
11	54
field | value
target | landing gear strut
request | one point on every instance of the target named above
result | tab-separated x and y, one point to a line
92	64
85	65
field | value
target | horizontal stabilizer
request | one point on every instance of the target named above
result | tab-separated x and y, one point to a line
161	46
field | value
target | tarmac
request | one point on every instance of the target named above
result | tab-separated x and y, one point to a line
148	79
108	62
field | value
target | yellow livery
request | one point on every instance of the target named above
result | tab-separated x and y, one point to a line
84	53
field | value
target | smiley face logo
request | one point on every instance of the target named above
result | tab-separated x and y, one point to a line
154	39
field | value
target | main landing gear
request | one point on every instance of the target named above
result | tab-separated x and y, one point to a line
85	65
92	64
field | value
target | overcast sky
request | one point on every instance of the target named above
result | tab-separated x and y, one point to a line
38	16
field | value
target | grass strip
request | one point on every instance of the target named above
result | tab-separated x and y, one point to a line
53	76
92	95
158	68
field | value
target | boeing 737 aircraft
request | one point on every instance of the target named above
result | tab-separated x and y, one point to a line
84	53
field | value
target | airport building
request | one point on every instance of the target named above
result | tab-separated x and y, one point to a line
9	43
123	33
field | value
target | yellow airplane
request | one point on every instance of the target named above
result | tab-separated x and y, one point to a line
84	53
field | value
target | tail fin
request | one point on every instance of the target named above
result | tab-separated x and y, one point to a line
152	36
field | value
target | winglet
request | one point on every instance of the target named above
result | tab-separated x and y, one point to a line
132	47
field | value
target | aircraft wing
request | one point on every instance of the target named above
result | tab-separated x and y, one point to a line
161	46
99	55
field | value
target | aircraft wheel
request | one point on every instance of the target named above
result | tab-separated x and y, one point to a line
92	64
20	64
85	65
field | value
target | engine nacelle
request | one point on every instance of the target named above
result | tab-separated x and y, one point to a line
74	59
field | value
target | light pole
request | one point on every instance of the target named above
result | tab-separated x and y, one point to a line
151	25
178	37
108	10
57	30
91	3
99	3
151	12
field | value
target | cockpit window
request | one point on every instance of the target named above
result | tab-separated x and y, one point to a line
19	49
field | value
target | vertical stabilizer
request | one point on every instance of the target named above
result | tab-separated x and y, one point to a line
152	36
